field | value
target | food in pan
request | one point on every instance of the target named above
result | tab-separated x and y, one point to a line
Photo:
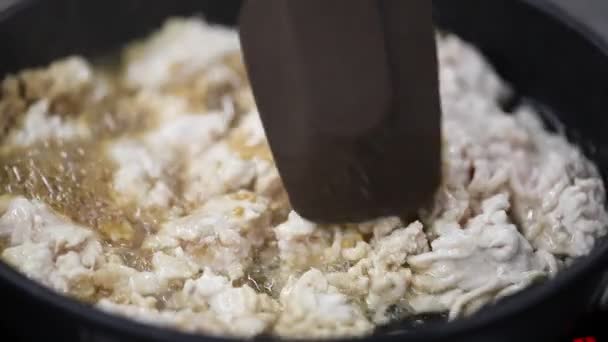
146	188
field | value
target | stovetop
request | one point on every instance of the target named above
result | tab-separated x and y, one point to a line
591	328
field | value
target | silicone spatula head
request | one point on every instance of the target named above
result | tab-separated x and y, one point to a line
347	91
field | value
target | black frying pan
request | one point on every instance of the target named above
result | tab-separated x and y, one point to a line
548	57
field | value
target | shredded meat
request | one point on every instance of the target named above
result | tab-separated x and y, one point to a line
151	193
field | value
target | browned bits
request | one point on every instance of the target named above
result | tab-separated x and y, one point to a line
236	88
217	93
238	211
351	241
118	113
12	104
263	275
116	230
11	88
203	94
244	196
4	243
36	84
238	143
139	259
83	288
67	104
235	62
55	83
9	111
280	207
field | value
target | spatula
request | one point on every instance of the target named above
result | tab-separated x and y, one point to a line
348	95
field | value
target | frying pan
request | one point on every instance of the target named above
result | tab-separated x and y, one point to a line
549	58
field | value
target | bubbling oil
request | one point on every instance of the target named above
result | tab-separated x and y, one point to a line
74	178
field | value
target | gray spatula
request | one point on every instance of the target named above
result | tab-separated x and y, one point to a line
348	94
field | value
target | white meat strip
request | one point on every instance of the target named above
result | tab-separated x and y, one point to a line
558	195
485	260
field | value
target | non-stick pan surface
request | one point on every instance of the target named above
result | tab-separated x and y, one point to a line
548	57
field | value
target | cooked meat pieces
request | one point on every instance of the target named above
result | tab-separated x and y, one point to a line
190	227
469	266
